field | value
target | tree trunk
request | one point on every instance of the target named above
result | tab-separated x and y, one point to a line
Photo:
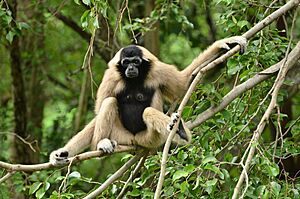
19	150
34	45
152	37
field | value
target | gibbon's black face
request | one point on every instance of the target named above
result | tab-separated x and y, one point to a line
131	64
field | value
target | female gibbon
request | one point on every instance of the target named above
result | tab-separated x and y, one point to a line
129	105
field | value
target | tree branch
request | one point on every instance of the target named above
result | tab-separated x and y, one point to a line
234	93
288	63
250	33
116	175
77	158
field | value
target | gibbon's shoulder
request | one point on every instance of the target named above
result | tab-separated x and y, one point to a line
146	54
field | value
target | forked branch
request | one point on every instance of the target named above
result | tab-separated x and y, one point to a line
250	33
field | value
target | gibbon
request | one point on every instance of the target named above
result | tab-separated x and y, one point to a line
129	104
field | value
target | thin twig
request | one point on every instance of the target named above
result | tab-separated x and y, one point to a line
116	175
7	176
132	176
290	60
199	76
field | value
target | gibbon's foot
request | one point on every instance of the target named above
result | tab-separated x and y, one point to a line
174	119
106	145
180	131
230	42
59	157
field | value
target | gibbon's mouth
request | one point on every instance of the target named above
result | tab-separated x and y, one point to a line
131	74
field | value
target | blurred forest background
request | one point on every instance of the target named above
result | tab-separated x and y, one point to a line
52	58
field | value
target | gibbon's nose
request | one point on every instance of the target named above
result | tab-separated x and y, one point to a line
130	67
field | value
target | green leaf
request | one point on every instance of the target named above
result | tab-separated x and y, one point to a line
234	19
84	18
135	192
211	182
40	193
179	174
242	23
77	2
296	193
214	169
86	2
273	170
75	174
275	188
23	25
10	36
209	159
47	185
96	22
233	66
184	187
34	187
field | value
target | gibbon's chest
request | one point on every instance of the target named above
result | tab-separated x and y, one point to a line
132	101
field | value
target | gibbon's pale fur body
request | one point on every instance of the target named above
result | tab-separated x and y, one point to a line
164	81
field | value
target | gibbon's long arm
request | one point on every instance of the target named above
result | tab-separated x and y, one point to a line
175	82
106	88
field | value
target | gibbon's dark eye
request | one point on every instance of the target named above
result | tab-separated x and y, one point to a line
136	61
140	97
128	97
125	62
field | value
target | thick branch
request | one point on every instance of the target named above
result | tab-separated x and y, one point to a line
291	60
211	65
73	25
234	93
77	158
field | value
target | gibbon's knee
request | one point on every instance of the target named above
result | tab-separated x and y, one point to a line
156	120
105	120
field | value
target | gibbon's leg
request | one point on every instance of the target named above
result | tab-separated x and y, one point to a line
156	134
77	144
108	129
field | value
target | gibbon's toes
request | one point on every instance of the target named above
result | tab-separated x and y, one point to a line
106	145
181	132
174	119
59	157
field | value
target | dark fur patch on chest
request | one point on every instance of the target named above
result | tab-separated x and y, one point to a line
132	102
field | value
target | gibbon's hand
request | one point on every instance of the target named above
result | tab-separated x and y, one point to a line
59	157
180	131
106	145
230	42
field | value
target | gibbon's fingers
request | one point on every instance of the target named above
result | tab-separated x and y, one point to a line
59	157
230	42
106	145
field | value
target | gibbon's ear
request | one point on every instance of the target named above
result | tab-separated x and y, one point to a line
147	56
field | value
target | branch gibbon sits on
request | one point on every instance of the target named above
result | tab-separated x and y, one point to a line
129	105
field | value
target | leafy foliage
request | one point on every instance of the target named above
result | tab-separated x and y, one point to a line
209	167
